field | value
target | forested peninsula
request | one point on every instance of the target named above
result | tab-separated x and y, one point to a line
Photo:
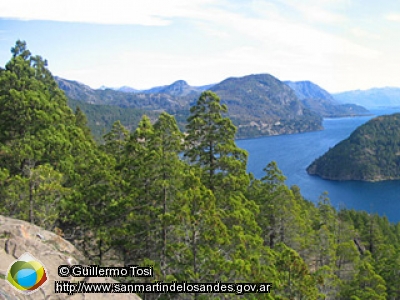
371	153
184	204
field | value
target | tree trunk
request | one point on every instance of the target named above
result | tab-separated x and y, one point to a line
31	202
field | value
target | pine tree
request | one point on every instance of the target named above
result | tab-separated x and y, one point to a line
279	212
36	129
81	122
168	143
138	173
55	174
116	140
297	282
210	146
367	284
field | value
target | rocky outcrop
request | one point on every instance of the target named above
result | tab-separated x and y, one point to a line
18	237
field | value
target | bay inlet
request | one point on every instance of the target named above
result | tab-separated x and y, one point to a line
294	153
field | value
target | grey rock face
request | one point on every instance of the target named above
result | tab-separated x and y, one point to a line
18	237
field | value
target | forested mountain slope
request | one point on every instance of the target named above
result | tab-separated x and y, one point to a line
371	153
259	104
266	106
100	118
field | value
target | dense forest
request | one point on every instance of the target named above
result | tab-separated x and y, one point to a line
183	203
371	153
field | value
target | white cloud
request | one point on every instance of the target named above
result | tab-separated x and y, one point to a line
318	14
279	35
290	39
393	17
361	33
210	30
147	12
282	47
322	11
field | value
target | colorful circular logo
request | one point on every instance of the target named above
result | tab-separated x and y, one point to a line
26	274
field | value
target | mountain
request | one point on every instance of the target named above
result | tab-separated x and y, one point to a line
257	104
263	105
127	89
371	153
153	102
320	101
372	98
178	88
309	90
77	90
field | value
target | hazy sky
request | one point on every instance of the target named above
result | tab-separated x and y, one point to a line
338	44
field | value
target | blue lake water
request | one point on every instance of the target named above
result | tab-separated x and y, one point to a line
294	153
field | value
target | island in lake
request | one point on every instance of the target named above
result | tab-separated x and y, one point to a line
371	153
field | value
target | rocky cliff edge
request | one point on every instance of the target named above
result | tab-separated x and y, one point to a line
18	237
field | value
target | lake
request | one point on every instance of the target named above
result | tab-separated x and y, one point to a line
294	153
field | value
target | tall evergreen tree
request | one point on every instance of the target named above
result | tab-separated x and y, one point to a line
138	173
81	122
210	146
168	143
116	140
37	127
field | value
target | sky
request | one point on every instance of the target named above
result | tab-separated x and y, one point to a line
340	45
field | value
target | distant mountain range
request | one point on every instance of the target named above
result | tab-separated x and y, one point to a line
320	101
178	88
258	104
372	98
152	102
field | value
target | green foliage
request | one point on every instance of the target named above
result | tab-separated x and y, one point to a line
115	141
210	142
366	283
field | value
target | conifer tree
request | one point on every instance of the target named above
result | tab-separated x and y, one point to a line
367	284
81	122
210	146
36	129
138	174
279	212
54	172
168	143
115	141
297	281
